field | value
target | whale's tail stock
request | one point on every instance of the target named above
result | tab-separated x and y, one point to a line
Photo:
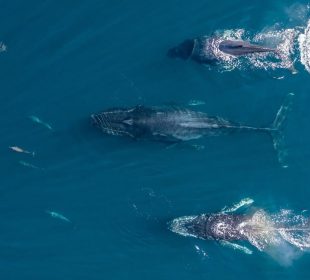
277	127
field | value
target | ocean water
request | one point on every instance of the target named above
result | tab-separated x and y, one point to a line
62	61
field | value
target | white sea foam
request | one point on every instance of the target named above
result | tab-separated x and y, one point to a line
283	235
281	40
297	13
304	47
227	62
292	46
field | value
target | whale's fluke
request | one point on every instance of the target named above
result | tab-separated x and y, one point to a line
277	129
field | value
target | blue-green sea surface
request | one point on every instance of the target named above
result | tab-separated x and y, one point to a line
77	204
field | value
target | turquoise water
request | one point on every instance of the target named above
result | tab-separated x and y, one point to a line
66	60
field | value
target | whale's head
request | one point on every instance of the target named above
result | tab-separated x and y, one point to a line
183	51
120	121
194	226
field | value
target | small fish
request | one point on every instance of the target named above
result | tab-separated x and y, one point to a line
20	150
201	251
3	47
196	102
58	216
37	120
27	164
198	147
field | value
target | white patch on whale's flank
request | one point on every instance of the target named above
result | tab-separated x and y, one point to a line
198	124
283	41
129	122
244	202
304	47
237	247
184	137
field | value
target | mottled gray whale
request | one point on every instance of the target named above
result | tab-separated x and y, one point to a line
177	124
209	50
261	229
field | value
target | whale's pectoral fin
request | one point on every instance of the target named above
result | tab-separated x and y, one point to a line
242	203
236	247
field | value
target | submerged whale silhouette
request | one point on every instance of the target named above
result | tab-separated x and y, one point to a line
175	124
208	49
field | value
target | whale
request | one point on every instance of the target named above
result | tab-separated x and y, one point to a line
217	226
233	227
173	124
210	50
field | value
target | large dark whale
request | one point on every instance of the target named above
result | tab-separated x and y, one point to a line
258	227
175	124
209	50
218	226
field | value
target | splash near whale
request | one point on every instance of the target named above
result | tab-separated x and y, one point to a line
284	234
172	124
271	49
